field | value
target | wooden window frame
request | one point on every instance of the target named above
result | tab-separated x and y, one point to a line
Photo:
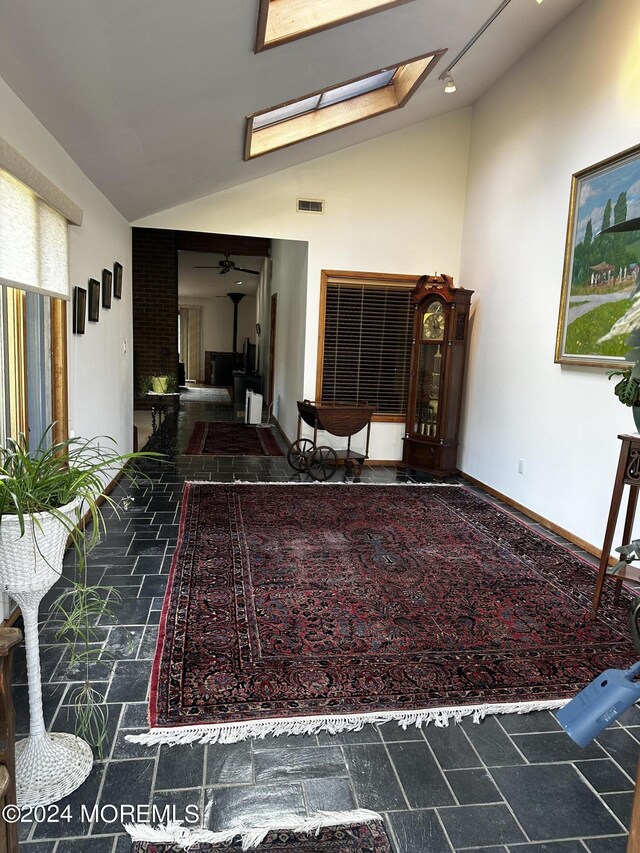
408	77
361	279
282	21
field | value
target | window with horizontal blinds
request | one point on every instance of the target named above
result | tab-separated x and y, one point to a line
367	345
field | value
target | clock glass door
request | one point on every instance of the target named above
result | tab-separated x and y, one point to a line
428	387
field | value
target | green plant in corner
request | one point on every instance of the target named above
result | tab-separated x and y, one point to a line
165	384
627	389
50	495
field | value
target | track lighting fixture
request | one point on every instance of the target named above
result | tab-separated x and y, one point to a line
449	84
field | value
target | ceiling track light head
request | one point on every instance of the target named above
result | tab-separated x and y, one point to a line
449	85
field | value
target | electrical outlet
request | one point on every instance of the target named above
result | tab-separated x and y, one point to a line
520	466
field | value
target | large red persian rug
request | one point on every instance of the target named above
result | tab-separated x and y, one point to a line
230	438
297	608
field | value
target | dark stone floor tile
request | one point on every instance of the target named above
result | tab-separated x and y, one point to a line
531	789
135	716
86	845
622	747
123	642
331	795
604	776
148	565
473	786
480	826
548	847
287	764
154	585
392	732
184	806
417	831
180	766
631	716
229	764
373	779
36	847
494	747
130	681
614	844
149	642
620	805
129	611
124	749
534	721
555	746
226	807
125	783
421	778
451	747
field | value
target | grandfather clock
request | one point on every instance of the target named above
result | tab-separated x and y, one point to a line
437	374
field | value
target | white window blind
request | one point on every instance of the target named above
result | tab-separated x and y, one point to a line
367	346
33	241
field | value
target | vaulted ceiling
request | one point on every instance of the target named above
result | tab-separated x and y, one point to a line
150	97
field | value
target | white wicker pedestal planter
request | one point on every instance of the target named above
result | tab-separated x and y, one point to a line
48	766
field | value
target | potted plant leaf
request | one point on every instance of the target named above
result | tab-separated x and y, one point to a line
627	389
48	497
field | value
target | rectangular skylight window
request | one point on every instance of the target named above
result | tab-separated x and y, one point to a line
286	112
337	106
280	21
358	87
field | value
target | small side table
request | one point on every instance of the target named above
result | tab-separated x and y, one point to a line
161	440
628	474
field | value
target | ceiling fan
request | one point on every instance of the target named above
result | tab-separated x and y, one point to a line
226	266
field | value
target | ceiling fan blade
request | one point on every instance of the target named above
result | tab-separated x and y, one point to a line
224	270
212	267
242	269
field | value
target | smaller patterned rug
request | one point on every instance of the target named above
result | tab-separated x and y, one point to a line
230	438
354	832
204	394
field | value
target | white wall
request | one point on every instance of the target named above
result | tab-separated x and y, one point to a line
289	281
394	204
100	371
571	102
217	321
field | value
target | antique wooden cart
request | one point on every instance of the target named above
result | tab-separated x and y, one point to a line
341	419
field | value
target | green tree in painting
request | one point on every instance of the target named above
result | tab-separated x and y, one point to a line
606	216
620	210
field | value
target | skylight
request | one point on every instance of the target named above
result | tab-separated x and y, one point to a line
280	21
355	100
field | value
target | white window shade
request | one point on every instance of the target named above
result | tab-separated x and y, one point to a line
33	241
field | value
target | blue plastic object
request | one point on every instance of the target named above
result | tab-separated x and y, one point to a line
599	704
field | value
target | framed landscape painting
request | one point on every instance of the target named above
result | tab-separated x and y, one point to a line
601	263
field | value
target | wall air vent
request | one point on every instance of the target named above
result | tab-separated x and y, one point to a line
310	205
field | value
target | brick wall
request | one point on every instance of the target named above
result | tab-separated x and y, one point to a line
155	304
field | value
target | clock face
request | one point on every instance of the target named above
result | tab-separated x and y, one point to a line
433	321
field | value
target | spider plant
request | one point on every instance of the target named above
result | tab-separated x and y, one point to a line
45	480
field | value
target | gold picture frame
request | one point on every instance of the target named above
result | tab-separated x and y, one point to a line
601	269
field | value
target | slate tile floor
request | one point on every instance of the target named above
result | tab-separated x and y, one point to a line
513	784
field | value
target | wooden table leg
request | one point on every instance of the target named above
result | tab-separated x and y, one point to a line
616	497
626	535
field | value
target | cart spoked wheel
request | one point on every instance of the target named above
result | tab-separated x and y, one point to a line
323	462
298	455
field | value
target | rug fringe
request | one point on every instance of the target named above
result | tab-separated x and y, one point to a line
251	836
258	729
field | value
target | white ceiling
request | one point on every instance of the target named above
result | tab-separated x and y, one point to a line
149	97
196	283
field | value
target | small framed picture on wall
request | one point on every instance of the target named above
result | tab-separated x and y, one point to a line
79	309
117	280
94	300
106	288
